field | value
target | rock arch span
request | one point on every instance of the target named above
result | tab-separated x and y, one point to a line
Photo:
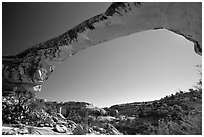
30	68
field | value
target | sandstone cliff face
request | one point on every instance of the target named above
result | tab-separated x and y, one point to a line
30	68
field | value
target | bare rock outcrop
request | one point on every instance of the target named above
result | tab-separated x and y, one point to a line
30	68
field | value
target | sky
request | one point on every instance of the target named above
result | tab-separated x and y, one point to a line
145	66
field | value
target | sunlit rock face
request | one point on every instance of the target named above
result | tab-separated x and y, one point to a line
30	68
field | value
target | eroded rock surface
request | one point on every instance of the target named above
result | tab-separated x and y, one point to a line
30	68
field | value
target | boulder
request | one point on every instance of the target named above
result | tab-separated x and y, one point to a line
48	125
8	131
60	128
49	121
71	124
99	129
55	119
40	125
106	118
103	112
23	131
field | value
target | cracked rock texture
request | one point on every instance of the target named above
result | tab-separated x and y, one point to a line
30	68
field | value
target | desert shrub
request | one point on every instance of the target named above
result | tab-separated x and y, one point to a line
15	106
178	114
133	127
189	125
73	116
193	124
80	130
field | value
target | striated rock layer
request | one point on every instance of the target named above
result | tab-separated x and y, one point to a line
30	68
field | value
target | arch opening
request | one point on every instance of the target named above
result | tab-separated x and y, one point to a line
32	67
126	69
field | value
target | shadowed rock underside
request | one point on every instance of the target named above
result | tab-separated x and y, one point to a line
30	68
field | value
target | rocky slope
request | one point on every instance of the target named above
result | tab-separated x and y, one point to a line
177	114
27	70
46	118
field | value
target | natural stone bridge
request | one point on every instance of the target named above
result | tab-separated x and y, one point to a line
30	68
